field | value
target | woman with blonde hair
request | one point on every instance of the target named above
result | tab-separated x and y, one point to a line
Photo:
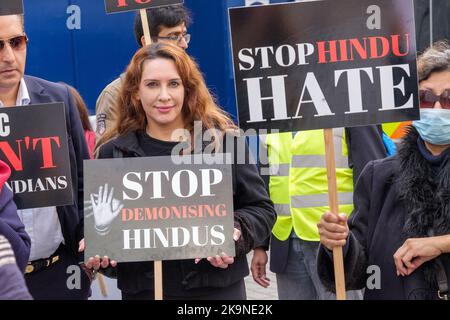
163	95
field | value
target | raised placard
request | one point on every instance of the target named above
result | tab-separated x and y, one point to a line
324	64
152	209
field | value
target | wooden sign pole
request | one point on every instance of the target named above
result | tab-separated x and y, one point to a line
158	280
102	285
333	199
145	27
157	264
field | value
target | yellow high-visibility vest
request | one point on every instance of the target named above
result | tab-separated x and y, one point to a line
298	182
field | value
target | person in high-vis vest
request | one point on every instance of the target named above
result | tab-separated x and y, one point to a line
298	187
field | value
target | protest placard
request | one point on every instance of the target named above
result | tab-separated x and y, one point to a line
33	142
324	64
151	209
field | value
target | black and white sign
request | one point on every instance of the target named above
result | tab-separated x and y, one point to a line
33	142
146	209
324	64
113	6
10	7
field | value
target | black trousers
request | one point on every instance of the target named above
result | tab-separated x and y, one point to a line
64	280
235	291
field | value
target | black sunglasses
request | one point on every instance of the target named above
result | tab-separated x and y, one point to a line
16	43
428	99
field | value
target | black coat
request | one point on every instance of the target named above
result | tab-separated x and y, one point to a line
71	217
254	215
364	144
395	199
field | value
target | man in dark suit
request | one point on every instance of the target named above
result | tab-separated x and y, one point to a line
56	232
10	225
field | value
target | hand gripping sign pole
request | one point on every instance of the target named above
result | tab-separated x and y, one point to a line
333	200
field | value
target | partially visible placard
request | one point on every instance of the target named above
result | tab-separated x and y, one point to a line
10	7
114	6
324	64
34	144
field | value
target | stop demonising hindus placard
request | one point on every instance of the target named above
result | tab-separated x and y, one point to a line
113	6
10	7
324	64
150	209
33	142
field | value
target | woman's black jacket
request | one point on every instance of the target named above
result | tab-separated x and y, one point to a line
254	215
401	197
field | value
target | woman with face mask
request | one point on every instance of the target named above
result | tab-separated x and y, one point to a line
396	243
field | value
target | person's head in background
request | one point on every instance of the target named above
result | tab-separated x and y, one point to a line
166	24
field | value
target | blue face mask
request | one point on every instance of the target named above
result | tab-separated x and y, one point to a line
434	126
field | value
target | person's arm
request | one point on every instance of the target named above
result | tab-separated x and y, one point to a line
259	261
443	243
106	111
254	214
13	229
12	286
254	211
416	251
353	239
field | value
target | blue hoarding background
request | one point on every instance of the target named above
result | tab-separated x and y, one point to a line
76	42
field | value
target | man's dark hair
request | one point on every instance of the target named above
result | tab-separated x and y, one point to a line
22	21
168	16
